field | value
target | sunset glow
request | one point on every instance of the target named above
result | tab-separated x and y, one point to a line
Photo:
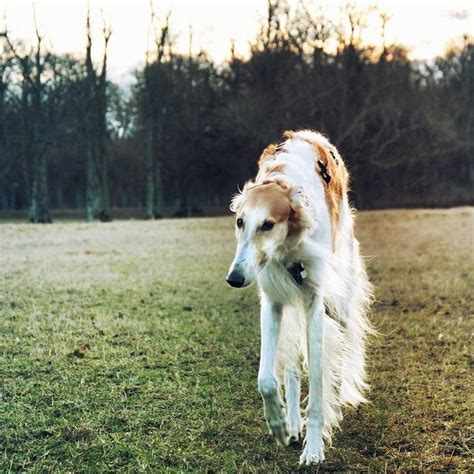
424	27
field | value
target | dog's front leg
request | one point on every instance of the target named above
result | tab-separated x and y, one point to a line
270	321
314	449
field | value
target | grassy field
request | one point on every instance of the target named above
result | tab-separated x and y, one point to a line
123	350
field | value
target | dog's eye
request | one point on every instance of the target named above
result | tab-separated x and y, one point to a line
240	223
266	226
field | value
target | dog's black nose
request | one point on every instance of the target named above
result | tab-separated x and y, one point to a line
235	279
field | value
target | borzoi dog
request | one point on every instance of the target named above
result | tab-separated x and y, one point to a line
294	228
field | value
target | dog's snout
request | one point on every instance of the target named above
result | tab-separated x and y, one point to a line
235	279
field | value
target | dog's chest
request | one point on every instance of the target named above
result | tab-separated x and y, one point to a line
282	283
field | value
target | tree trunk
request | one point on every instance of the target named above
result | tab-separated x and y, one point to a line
92	188
158	190
33	201
104	215
43	216
150	177
97	185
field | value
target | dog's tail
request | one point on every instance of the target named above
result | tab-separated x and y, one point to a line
355	311
348	301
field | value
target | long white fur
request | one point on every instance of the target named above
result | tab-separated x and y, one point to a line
321	325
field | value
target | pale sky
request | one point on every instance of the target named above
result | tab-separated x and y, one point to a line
422	25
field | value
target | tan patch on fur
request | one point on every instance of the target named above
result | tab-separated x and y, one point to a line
275	168
270	193
266	154
337	186
273	195
296	223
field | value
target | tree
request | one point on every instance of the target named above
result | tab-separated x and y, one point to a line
153	113
34	134
95	126
189	131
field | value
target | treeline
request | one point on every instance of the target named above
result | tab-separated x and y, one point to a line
188	132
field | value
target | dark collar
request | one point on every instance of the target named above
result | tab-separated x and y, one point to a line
297	272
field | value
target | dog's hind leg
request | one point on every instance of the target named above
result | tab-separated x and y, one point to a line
270	321
293	395
314	450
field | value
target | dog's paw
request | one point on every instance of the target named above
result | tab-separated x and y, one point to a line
312	455
279	431
274	411
294	428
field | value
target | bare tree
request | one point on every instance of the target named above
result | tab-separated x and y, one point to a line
153	114
97	188
189	131
34	140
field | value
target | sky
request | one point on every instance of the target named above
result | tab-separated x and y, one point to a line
424	26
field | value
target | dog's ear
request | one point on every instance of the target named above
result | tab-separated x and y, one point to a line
237	200
300	218
284	185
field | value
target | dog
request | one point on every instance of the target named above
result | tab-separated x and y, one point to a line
295	237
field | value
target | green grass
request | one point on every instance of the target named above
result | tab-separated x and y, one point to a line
123	350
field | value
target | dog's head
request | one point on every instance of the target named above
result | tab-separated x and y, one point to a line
270	218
